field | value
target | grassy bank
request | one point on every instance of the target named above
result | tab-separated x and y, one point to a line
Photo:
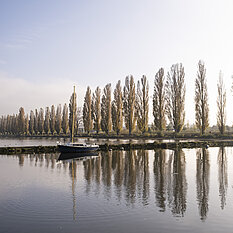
126	146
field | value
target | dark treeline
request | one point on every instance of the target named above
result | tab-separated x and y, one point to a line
126	107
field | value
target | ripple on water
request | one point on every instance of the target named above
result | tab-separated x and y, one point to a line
40	207
100	211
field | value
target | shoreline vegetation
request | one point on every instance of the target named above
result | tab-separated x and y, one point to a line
177	141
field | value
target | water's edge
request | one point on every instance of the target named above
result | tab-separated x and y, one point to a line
124	146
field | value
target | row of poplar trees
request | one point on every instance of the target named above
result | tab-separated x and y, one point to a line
127	106
51	121
168	103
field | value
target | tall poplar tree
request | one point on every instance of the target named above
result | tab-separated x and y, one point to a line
129	103
87	114
2	131
221	105
27	125
8	124
58	121
47	121
31	123
21	121
159	101
65	119
117	109
142	104
79	118
3	125
96	112
175	97
41	121
36	122
52	120
12	124
201	99
106	112
15	124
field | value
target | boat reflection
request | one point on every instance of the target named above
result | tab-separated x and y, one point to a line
73	170
69	156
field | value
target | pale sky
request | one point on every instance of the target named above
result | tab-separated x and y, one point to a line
47	46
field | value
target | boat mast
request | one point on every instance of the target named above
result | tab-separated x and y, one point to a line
72	133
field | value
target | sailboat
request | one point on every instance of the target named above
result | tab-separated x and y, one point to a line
72	147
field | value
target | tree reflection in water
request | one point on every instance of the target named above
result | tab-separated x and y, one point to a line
202	181
21	160
136	179
126	176
160	179
127	172
143	176
222	176
43	159
177	185
90	166
106	164
170	181
118	161
130	177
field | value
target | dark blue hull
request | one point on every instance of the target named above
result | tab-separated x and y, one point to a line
74	149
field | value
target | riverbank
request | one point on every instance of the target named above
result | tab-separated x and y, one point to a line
124	146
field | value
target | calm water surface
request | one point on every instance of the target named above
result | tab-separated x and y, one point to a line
37	141
138	191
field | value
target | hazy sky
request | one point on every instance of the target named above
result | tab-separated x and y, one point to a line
47	46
